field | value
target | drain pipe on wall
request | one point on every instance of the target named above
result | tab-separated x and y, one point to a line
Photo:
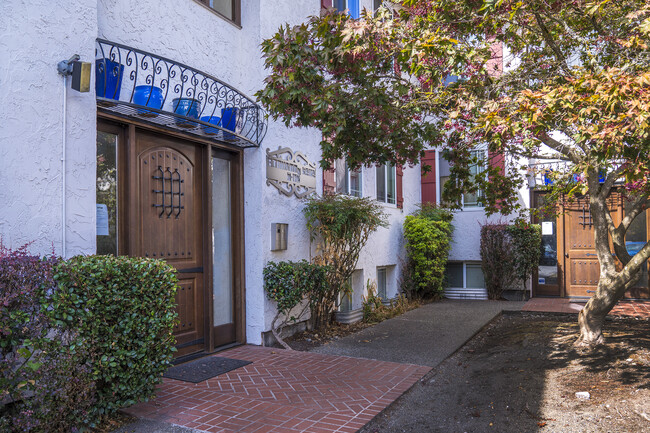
63	176
64	68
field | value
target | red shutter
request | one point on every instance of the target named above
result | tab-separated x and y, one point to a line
497	160
428	181
324	4
329	180
398	186
495	64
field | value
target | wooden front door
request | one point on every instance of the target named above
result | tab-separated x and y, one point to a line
167	222
581	260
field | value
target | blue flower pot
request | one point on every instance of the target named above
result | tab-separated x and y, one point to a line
229	120
148	96
108	78
213	120
187	107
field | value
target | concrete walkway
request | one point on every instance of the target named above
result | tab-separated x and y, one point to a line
425	336
639	309
329	391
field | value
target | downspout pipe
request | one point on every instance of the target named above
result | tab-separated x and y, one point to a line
64	68
63	173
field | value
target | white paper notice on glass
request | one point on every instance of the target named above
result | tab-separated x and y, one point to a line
547	228
102	220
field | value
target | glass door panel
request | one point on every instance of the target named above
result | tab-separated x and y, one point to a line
635	238
546	280
222	267
106	192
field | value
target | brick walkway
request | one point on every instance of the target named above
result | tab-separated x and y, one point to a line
564	305
283	391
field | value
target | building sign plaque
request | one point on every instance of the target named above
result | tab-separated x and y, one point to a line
290	172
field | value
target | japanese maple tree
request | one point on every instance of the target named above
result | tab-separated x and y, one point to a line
573	86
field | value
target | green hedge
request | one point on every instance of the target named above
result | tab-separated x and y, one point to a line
289	283
509	253
124	310
427	247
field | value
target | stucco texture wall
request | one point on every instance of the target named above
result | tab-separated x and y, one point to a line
38	34
35	36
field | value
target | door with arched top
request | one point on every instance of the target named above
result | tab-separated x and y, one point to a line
167	205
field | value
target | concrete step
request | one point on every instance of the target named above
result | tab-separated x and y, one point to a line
460	293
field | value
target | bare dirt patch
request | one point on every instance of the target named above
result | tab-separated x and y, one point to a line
307	340
304	341
522	373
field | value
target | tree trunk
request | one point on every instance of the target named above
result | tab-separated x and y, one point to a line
592	316
591	320
276	334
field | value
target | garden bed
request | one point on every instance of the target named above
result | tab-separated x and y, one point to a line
522	373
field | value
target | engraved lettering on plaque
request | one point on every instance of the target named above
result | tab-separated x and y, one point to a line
290	172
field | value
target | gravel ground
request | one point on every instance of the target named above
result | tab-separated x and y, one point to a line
522	373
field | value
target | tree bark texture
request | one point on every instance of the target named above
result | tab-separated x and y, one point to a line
612	283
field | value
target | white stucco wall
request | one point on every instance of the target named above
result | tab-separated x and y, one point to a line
38	34
35	36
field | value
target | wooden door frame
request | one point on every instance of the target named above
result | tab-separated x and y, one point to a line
561	265
236	158
618	199
126	176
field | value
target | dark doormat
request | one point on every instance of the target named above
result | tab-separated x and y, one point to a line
203	369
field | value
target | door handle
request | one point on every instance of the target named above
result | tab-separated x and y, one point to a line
566	255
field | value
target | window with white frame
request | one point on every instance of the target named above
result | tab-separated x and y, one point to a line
352	6
468	200
347	181
465	275
345	299
381	283
386	185
228	9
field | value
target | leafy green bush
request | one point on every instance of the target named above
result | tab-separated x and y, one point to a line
341	226
61	391
45	385
124	309
526	248
433	212
290	283
427	247
497	260
508	253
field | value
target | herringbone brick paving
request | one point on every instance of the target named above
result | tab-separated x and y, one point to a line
283	391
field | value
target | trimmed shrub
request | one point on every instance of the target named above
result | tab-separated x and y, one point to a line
497	260
62	393
508	253
526	249
45	385
341	226
124	310
289	284
427	247
433	212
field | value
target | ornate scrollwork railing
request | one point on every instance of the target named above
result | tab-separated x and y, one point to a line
175	96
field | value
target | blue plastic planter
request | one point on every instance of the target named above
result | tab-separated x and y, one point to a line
108	78
213	120
148	96
187	107
229	120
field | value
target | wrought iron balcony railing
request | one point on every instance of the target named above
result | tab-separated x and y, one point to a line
136	84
